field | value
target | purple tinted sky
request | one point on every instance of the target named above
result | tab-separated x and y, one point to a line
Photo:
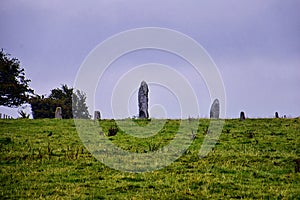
254	43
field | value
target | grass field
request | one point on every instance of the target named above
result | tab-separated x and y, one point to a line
254	158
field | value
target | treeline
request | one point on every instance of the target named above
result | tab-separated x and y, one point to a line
73	104
15	91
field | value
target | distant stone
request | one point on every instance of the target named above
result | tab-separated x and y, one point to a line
143	100
276	115
58	113
242	116
97	115
215	109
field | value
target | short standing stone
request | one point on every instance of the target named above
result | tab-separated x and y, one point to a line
97	115
58	113
143	100
215	109
276	115
242	116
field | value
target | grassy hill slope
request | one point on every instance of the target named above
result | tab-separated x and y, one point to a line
254	158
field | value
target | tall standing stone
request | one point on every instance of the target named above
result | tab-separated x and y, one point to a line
143	100
215	109
242	116
97	115
276	115
58	113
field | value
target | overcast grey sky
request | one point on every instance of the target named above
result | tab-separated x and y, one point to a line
255	45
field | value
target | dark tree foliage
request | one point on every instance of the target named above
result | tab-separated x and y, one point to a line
60	97
80	109
14	88
63	97
43	107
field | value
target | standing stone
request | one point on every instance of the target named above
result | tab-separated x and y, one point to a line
215	109
242	116
276	115
97	115
143	100
0	115
58	113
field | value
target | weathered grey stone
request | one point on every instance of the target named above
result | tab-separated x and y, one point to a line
143	100
276	115
242	116
97	115
58	113
215	109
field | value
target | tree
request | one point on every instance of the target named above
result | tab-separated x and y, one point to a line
80	109
14	88
63	97
60	97
43	107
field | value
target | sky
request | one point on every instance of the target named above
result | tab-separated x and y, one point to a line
254	44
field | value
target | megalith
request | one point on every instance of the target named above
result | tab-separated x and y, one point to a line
215	109
58	113
143	100
97	115
242	116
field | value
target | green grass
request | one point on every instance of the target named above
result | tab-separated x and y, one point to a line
252	159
